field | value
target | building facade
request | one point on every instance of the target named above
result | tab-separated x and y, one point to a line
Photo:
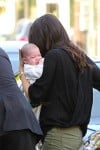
79	17
56	7
87	25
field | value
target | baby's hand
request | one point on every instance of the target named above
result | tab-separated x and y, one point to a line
41	61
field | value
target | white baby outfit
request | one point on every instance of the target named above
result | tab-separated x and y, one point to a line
33	72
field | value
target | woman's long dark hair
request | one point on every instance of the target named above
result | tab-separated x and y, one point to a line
48	33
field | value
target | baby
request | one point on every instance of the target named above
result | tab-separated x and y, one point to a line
33	66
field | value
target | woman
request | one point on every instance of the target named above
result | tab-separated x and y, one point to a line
19	129
65	88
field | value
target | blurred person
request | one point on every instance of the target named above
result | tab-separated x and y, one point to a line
33	67
19	129
65	88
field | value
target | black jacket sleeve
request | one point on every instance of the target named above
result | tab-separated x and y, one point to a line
95	74
96	78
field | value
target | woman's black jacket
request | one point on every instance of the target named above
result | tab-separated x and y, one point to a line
65	94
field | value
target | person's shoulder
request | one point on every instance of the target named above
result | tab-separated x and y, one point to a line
54	51
57	52
54	55
3	53
51	54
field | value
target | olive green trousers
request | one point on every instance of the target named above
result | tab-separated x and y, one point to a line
63	139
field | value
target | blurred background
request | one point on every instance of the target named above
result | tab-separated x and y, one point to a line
81	19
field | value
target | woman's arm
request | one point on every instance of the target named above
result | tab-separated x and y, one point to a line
96	78
38	91
95	74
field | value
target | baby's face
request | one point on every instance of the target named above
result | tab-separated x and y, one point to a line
32	57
